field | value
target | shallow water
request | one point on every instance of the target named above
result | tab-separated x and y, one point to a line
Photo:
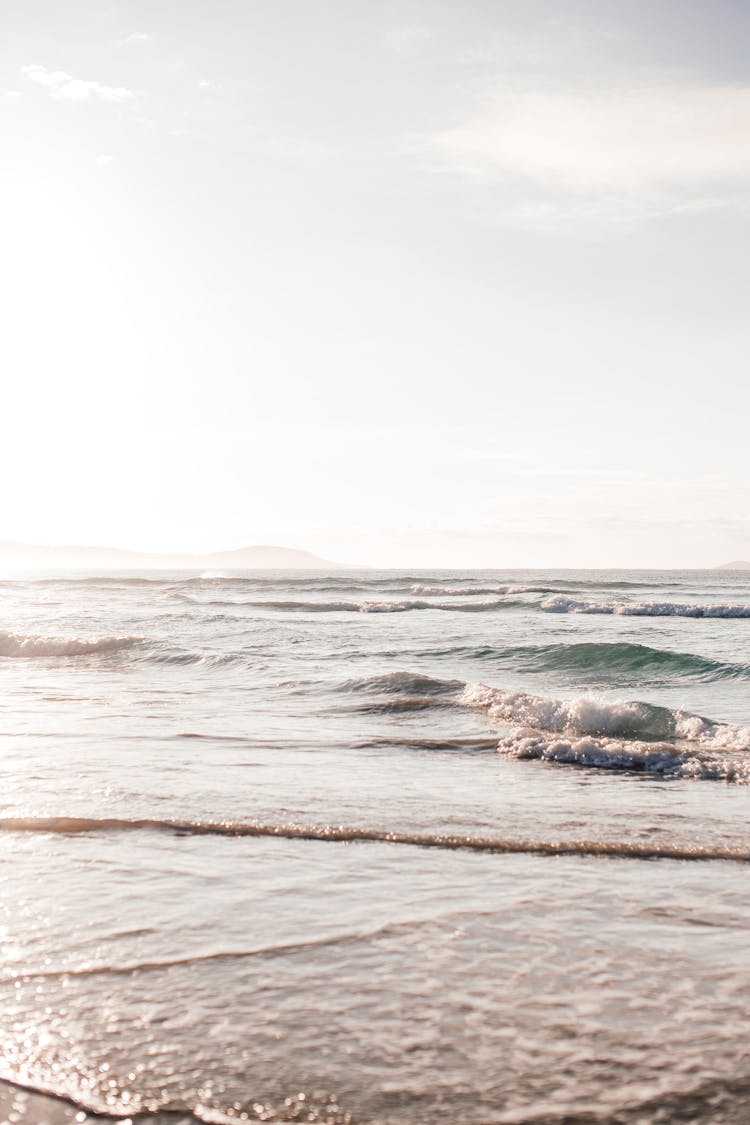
376	846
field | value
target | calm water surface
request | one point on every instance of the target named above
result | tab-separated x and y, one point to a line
376	847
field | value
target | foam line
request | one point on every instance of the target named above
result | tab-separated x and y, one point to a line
336	833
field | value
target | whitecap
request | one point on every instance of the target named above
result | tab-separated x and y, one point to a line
29	645
560	603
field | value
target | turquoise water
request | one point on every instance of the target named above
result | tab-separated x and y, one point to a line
376	846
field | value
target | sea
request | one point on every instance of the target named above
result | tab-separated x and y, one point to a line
377	847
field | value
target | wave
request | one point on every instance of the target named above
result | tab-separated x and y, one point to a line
399	705
587	730
628	736
469	742
44	1102
657	578
367	606
710	1099
337	833
594	658
321	583
464	591
560	603
404	692
617	657
587	714
340	606
306	606
470	652
30	645
407	683
260	952
186	657
452	607
91	580
663	759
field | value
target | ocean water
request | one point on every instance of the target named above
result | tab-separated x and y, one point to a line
376	847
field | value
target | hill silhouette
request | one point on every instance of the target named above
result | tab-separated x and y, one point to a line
22	556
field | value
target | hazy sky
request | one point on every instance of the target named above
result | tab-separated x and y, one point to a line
437	283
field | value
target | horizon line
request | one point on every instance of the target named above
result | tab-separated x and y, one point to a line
201	557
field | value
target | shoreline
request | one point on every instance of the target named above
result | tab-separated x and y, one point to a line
27	1105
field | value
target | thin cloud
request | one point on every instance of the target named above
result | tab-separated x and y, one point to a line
609	154
137	37
64	87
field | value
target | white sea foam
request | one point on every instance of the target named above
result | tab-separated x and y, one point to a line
560	603
29	645
475	606
373	605
665	759
470	591
626	735
390	607
586	714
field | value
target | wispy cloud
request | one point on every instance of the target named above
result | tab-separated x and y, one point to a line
63	86
137	37
608	153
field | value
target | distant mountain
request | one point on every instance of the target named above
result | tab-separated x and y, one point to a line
734	566
265	558
23	556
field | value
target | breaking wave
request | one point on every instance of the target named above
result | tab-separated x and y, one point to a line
29	645
470	591
631	735
664	759
560	603
340	606
588	730
586	714
368	606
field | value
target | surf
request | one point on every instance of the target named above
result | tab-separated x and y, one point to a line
13	645
352	834
560	603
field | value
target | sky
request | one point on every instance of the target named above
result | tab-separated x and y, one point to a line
415	283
